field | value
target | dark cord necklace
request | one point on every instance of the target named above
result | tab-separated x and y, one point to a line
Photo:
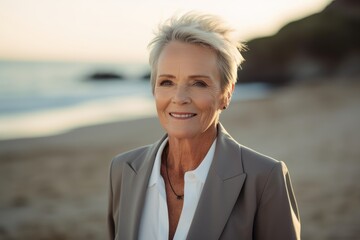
178	197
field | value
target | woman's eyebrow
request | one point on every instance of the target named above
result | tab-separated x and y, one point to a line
166	76
191	76
200	76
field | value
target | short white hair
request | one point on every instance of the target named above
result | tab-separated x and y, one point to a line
202	29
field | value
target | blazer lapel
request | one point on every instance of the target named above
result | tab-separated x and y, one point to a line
134	183
221	190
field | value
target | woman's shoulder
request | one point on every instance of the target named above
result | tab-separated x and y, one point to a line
253	161
131	154
258	164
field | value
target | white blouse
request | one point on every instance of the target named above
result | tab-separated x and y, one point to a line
154	224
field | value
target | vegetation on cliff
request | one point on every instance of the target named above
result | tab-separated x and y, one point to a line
321	45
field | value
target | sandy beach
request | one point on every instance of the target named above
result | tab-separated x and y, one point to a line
56	187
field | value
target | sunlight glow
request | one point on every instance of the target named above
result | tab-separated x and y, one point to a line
117	30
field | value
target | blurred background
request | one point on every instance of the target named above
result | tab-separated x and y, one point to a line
74	92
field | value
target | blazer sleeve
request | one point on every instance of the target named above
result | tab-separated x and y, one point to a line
277	215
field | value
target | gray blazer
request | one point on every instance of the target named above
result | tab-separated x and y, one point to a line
246	195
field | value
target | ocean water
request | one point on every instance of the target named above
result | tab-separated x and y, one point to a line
45	98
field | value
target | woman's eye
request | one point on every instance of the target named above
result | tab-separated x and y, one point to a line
166	83
200	84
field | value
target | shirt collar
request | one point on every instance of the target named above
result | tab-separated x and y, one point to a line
155	174
200	172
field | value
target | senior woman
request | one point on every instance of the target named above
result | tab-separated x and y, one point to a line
197	182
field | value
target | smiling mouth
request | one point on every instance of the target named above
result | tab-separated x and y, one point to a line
182	115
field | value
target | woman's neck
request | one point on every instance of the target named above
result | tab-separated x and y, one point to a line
187	154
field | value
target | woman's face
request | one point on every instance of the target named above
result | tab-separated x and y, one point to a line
187	90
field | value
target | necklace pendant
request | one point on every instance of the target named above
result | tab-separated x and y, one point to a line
180	197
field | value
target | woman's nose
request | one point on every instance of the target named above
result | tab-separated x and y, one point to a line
181	96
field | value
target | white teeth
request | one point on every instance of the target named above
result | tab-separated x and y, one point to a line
187	115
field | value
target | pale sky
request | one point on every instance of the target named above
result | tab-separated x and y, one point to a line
114	30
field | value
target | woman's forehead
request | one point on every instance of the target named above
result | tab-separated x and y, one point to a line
187	58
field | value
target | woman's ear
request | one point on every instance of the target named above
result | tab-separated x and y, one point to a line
231	91
228	95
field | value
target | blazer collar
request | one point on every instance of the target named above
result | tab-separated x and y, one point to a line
222	187
135	180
